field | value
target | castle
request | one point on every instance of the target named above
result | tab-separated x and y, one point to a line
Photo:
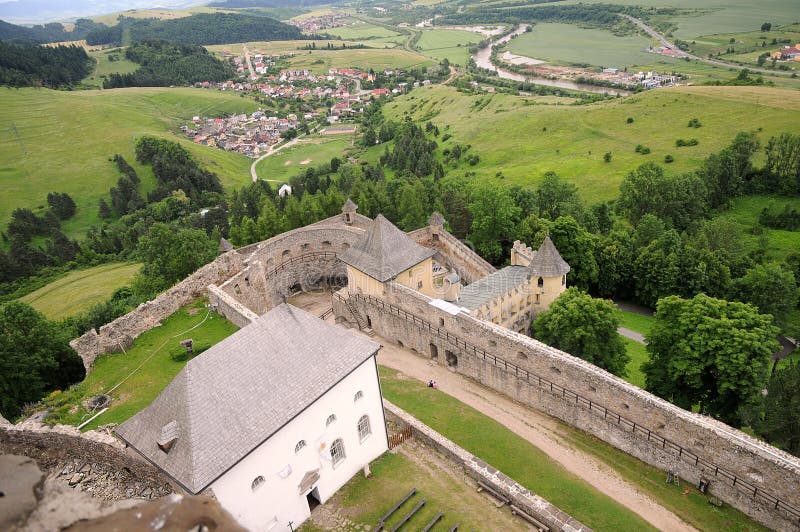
429	292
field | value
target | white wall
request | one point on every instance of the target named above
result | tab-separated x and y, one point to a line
278	501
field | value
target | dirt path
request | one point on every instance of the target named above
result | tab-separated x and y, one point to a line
633	335
540	430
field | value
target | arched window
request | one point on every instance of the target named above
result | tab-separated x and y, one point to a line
257	483
299	446
359	395
331	419
563	280
540	282
363	428
337	452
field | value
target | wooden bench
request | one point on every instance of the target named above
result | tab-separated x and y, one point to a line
529	518
482	486
409	515
386	516
454	528
433	521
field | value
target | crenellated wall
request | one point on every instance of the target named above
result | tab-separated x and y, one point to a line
453	253
751	475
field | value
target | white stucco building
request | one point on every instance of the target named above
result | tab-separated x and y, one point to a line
274	419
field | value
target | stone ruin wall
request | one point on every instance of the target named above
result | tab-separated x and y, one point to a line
120	333
453	253
103	470
717	445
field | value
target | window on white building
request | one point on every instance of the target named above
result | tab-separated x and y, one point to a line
359	395
299	446
337	452
363	428
257	483
331	419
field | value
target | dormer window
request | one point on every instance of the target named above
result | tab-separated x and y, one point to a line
169	435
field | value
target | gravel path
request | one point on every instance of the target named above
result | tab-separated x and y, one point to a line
633	335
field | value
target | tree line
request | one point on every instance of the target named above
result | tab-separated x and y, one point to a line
27	65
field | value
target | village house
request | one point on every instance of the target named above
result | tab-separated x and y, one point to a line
273	420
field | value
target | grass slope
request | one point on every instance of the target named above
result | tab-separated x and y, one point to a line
525	141
151	351
510	453
778	243
57	141
105	66
79	290
294	160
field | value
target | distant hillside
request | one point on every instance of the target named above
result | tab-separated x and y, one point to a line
164	64
53	32
204	28
237	4
30	65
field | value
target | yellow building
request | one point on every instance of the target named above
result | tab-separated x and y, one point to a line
514	295
385	254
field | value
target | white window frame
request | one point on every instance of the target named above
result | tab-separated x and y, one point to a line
257	482
300	446
359	395
338	453
364	430
331	419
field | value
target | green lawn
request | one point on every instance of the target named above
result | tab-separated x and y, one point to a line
307	153
635	321
565	43
59	141
745	210
365	500
147	364
510	453
77	291
524	142
450	44
639	355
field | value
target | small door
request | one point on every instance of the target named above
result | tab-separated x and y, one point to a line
313	499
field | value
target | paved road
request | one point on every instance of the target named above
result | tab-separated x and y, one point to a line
633	335
680	53
249	63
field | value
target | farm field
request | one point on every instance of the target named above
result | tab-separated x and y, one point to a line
79	290
359	30
450	44
747	45
152	351
319	61
566	43
307	153
59	141
111	19
524	142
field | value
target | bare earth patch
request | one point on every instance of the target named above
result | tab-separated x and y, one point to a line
305	161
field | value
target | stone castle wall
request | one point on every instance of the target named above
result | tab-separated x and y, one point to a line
453	253
742	471
120	333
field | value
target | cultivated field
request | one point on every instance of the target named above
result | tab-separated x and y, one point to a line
77	291
58	141
525	141
565	43
450	44
356	30
306	153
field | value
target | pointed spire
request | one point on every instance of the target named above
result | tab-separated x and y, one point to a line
547	261
349	206
436	219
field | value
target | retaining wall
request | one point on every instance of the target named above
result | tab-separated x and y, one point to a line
751	475
479	470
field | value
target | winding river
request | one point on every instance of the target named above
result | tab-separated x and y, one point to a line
483	61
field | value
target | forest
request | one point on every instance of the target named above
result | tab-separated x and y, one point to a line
164	64
26	65
52	32
203	28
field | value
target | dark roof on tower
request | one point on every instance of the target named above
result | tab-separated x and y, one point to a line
233	397
385	251
436	219
349	206
547	261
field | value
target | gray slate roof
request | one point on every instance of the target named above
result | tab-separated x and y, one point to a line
349	206
436	219
385	251
547	261
234	396
480	292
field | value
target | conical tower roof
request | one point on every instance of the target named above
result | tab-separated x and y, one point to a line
436	219
349	206
547	261
385	251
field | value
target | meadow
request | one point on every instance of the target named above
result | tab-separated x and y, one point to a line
59	141
566	43
774	244
308	152
357	29
140	374
450	44
105	66
522	142
79	290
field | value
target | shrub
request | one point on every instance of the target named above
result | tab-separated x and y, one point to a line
680	143
644	150
694	122
668	158
629	120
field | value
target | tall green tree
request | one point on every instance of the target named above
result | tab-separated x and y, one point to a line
780	422
576	246
170	254
555	197
770	288
35	358
709	353
494	218
585	327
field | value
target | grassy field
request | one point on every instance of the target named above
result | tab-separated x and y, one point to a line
523	142
639	356
59	141
311	152
450	44
718	16
365	500
79	290
744	211
508	452
319	61
356	30
747	45
105	66
635	321
147	366
565	43
163	14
